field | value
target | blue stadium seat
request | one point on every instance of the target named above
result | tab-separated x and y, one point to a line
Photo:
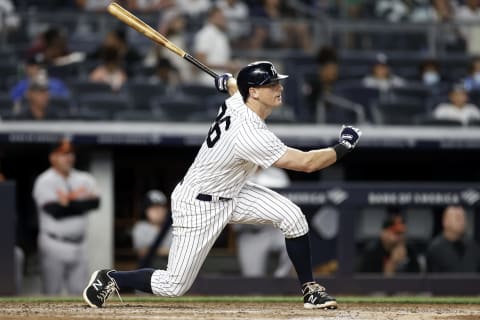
102	105
80	87
139	115
197	90
143	92
399	112
177	108
6	105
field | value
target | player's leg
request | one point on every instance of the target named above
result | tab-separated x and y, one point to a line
77	273
196	226
257	204
52	266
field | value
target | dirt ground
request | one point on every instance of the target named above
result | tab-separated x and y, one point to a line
231	311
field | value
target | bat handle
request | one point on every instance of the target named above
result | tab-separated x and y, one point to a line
200	65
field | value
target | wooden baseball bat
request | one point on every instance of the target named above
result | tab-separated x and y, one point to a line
136	23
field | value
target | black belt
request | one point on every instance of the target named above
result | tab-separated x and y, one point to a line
65	239
207	197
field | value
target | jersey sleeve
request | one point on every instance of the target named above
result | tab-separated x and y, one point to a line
44	191
259	145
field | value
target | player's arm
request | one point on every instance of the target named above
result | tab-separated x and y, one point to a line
73	208
309	161
314	160
226	83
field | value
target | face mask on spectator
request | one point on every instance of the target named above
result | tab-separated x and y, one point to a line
431	77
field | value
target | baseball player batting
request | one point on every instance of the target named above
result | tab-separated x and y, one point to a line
215	192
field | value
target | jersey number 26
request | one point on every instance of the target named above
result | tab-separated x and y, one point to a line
214	133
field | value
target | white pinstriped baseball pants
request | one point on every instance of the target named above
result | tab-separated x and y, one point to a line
197	224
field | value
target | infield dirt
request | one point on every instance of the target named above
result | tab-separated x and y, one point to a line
234	310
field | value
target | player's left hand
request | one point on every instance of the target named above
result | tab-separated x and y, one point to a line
221	82
349	136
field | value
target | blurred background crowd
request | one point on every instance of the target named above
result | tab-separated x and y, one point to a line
379	63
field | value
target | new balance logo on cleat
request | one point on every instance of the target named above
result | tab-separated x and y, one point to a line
315	297
98	284
100	288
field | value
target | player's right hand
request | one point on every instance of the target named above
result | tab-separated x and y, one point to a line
349	136
221	82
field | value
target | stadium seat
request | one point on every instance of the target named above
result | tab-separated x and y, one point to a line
6	105
414	92
139	115
399	112
65	72
356	92
103	105
177	108
82	87
61	106
197	90
430	121
10	73
143	92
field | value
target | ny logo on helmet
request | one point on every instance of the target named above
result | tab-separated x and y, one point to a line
274	72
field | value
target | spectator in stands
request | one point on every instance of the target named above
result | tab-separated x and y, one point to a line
257	243
237	13
271	32
149	5
382	77
165	74
392	10
458	108
429	71
218	56
9	20
451	35
322	83
469	14
172	25
472	81
413	10
52	44
37	103
194	9
117	39
34	69
110	71
153	220
390	254
452	251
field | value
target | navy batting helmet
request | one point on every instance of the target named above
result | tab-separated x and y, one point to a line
257	74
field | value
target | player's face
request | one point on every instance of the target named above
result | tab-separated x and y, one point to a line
63	162
271	94
157	214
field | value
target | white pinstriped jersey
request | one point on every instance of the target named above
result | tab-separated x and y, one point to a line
237	143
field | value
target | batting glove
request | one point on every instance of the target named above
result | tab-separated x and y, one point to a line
347	141
349	136
221	82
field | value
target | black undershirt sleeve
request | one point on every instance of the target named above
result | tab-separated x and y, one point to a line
74	208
